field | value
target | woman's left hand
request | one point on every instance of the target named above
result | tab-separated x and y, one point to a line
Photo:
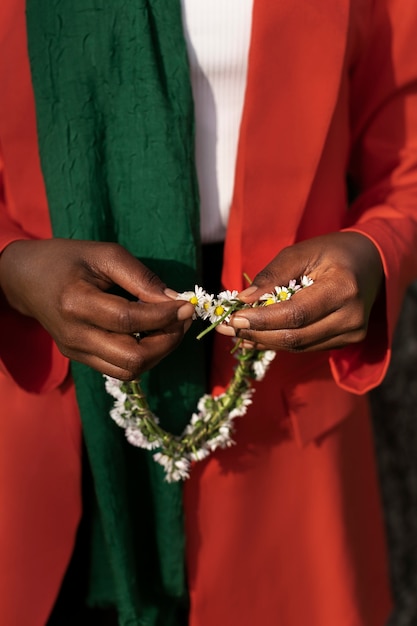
333	312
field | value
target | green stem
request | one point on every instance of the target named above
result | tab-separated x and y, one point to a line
175	447
236	305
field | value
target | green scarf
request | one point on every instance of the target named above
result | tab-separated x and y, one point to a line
115	123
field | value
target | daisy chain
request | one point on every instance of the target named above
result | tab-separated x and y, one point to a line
212	425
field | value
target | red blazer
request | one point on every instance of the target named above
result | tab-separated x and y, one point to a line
331	88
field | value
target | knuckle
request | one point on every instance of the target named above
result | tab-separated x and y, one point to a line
134	365
286	252
66	346
297	317
292	341
265	277
358	335
357	323
126	376
64	349
69	342
351	291
67	304
150	278
105	256
260	323
114	251
124	319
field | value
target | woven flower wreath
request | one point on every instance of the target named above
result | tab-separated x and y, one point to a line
211	426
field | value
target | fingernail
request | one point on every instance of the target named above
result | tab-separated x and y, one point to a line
240	322
249	345
225	329
171	293
248	292
185	311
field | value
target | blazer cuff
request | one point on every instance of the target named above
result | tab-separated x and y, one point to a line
361	367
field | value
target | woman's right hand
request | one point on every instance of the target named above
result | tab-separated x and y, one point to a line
64	284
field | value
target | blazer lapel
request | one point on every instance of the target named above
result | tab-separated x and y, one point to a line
295	67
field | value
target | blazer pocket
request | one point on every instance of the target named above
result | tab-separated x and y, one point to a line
316	404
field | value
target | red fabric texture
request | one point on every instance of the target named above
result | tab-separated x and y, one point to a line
40	436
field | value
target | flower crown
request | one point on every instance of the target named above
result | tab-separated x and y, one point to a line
212	425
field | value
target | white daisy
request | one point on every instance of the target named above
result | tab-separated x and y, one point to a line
268	298
114	387
199	454
293	286
306	281
260	366
163	459
137	438
228	296
120	414
196	297
221	441
242	404
204	304
218	308
283	293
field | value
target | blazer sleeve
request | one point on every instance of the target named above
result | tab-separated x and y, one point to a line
384	171
28	355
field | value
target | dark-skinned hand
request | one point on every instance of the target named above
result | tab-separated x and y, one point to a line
332	313
64	284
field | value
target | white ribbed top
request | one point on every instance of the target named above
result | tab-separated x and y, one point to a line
218	35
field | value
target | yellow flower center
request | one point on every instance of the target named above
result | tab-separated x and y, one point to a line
194	300
283	295
206	305
269	301
219	310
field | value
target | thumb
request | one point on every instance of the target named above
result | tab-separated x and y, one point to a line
288	265
124	270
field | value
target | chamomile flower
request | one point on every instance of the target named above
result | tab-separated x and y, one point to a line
163	459
114	387
260	366
120	414
228	296
241	404
280	294
172	472
268	298
223	439
175	469
283	293
205	303
140	440
306	281
196	298
205	403
216	311
192	296
293	286
199	454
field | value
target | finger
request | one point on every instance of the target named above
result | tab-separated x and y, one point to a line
118	266
285	267
122	352
104	367
88	304
300	310
332	332
304	308
293	344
